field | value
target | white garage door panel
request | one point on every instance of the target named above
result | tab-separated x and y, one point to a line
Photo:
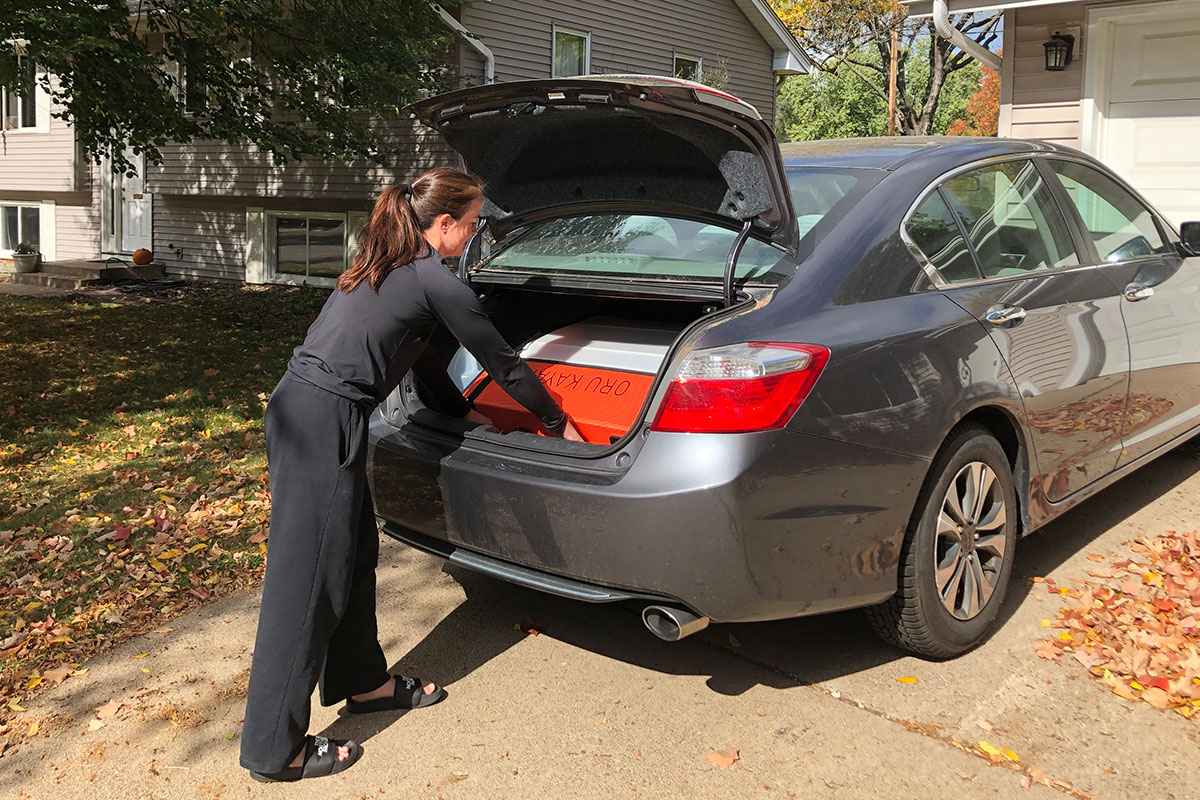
1151	125
1157	61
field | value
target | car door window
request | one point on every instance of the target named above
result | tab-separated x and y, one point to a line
934	230
1118	223
1011	218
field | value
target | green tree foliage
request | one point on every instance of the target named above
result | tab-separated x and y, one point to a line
854	36
297	78
841	104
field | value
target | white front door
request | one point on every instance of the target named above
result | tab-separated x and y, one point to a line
1150	103
136	207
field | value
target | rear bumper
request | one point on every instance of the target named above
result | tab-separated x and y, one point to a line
515	573
737	528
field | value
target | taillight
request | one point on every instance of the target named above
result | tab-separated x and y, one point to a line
740	388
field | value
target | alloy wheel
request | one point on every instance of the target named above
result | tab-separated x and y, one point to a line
972	534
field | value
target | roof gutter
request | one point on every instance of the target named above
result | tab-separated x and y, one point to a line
489	59
941	24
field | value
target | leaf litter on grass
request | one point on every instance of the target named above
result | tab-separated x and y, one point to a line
1135	625
133	480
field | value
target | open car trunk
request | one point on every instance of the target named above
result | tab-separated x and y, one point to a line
601	358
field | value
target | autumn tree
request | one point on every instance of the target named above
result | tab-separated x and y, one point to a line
855	37
297	78
834	105
983	108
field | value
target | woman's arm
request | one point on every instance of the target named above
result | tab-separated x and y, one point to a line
453	302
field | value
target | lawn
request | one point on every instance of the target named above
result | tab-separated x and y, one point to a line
133	482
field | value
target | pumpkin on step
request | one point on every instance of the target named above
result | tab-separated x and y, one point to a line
142	256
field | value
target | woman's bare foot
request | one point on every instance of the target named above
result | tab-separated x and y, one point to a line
388	689
342	754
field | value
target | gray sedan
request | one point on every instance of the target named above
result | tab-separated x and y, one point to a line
817	377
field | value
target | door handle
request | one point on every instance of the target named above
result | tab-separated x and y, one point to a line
1137	291
1005	315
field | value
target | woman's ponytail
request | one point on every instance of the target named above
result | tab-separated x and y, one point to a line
394	233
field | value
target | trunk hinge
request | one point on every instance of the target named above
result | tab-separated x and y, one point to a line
731	263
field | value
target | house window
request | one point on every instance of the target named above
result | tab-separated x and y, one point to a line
19	224
195	87
20	111
687	67
572	53
310	248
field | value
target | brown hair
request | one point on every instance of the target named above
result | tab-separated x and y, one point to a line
393	235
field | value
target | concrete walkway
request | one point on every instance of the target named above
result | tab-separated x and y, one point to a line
595	707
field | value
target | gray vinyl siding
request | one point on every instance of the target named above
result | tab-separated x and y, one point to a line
77	224
219	169
636	37
31	161
1045	105
209	238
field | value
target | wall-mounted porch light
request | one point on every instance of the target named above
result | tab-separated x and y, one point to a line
1058	51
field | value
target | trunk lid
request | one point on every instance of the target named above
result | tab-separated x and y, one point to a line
649	144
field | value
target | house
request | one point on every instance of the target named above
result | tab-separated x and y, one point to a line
1130	94
225	211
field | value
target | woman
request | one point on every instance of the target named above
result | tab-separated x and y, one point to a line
317	622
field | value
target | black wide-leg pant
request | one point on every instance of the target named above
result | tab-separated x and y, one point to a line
317	622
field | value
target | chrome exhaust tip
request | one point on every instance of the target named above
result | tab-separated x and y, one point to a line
672	624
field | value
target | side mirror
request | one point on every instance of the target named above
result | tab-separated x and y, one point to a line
1189	232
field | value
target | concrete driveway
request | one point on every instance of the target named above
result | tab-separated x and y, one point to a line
594	706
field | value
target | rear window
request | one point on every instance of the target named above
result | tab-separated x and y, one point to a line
666	247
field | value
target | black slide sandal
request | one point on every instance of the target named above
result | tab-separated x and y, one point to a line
409	694
320	759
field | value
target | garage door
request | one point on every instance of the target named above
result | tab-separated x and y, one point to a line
1151	128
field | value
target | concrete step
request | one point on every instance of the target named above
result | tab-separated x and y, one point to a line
52	281
88	270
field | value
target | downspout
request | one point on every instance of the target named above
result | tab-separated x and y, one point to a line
489	60
941	24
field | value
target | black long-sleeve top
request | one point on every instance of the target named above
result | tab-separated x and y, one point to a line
364	342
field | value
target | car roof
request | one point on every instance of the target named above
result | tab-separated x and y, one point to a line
893	153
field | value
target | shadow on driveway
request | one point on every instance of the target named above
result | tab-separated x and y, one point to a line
781	655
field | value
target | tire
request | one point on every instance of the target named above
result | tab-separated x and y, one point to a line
949	592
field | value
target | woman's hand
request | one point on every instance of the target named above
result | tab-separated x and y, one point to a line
571	433
476	417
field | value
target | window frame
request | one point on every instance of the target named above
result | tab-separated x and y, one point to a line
351	219
697	60
555	30
1077	221
17	204
40	98
1079	237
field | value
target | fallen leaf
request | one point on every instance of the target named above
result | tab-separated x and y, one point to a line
725	758
989	748
109	709
58	674
95	725
1157	698
1121	690
906	679
33	729
1047	650
211	373
733	640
